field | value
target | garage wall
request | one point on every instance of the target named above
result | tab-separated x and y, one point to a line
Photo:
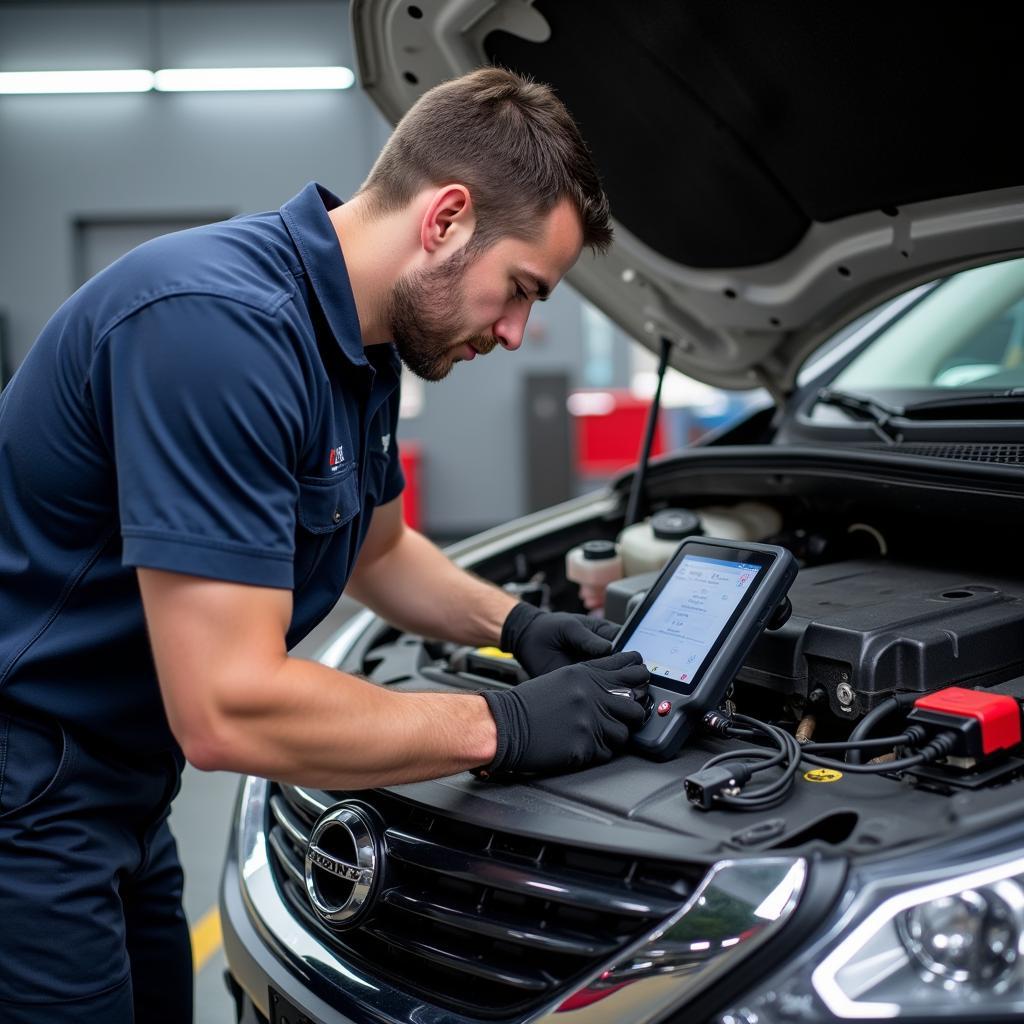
153	154
146	157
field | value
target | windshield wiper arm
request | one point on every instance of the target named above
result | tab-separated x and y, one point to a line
991	405
985	403
877	414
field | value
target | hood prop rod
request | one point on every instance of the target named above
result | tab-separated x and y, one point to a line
636	492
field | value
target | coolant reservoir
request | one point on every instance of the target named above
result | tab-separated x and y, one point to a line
647	546
749	520
593	565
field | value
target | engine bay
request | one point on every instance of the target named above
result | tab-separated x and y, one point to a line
886	602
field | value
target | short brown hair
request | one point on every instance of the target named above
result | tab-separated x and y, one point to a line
510	141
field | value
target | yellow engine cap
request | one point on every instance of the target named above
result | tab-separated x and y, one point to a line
494	652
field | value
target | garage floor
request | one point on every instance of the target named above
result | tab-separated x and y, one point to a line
201	820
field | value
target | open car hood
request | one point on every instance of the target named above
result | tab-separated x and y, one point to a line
773	170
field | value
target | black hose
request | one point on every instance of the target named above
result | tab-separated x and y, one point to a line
866	769
786	753
888	707
911	737
940	745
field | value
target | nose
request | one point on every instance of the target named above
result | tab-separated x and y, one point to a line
509	331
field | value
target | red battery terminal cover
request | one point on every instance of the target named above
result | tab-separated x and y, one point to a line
998	716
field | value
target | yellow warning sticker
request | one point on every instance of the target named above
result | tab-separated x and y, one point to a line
823	775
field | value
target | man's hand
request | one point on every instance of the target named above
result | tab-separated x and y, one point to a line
544	641
568	718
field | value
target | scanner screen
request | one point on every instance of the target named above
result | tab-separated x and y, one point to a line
682	627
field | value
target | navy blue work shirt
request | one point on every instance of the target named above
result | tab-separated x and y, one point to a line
205	406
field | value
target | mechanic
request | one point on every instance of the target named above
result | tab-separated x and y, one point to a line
197	456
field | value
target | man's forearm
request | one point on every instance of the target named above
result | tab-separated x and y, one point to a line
311	725
417	588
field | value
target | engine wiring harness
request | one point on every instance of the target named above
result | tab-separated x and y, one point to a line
951	723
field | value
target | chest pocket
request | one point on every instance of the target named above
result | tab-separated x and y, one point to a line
325	505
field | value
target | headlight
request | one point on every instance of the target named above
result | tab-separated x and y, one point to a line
943	945
971	938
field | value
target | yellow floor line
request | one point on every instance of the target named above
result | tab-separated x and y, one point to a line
206	939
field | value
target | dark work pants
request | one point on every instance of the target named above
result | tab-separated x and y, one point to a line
91	924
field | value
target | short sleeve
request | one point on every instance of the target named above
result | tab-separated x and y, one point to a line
202	401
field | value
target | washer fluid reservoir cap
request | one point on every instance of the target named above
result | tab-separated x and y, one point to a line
675	524
599	550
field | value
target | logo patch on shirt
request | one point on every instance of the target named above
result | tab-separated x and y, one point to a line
336	458
385	442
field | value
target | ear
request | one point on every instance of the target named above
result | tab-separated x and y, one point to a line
448	220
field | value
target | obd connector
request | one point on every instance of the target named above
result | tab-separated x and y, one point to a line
983	723
704	786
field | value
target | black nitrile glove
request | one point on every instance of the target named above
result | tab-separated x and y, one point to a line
544	641
568	718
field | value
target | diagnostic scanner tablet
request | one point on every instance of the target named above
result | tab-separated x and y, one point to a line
695	628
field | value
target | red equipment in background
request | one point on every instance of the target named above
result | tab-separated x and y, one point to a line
411	456
609	427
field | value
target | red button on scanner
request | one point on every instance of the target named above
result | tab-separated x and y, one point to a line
664	707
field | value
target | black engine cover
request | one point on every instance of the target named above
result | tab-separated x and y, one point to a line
881	626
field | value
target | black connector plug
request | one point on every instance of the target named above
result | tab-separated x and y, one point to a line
703	787
717	721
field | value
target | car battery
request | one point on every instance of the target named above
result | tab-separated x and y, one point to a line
863	629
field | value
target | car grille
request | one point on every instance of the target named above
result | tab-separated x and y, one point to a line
485	923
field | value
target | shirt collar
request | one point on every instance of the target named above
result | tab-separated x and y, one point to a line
311	229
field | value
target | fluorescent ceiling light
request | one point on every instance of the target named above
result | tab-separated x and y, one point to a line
25	82
241	79
176	80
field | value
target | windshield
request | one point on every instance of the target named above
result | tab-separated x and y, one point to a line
967	333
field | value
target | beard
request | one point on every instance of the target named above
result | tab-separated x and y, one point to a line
424	314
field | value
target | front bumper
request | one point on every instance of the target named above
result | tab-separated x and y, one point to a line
254	967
